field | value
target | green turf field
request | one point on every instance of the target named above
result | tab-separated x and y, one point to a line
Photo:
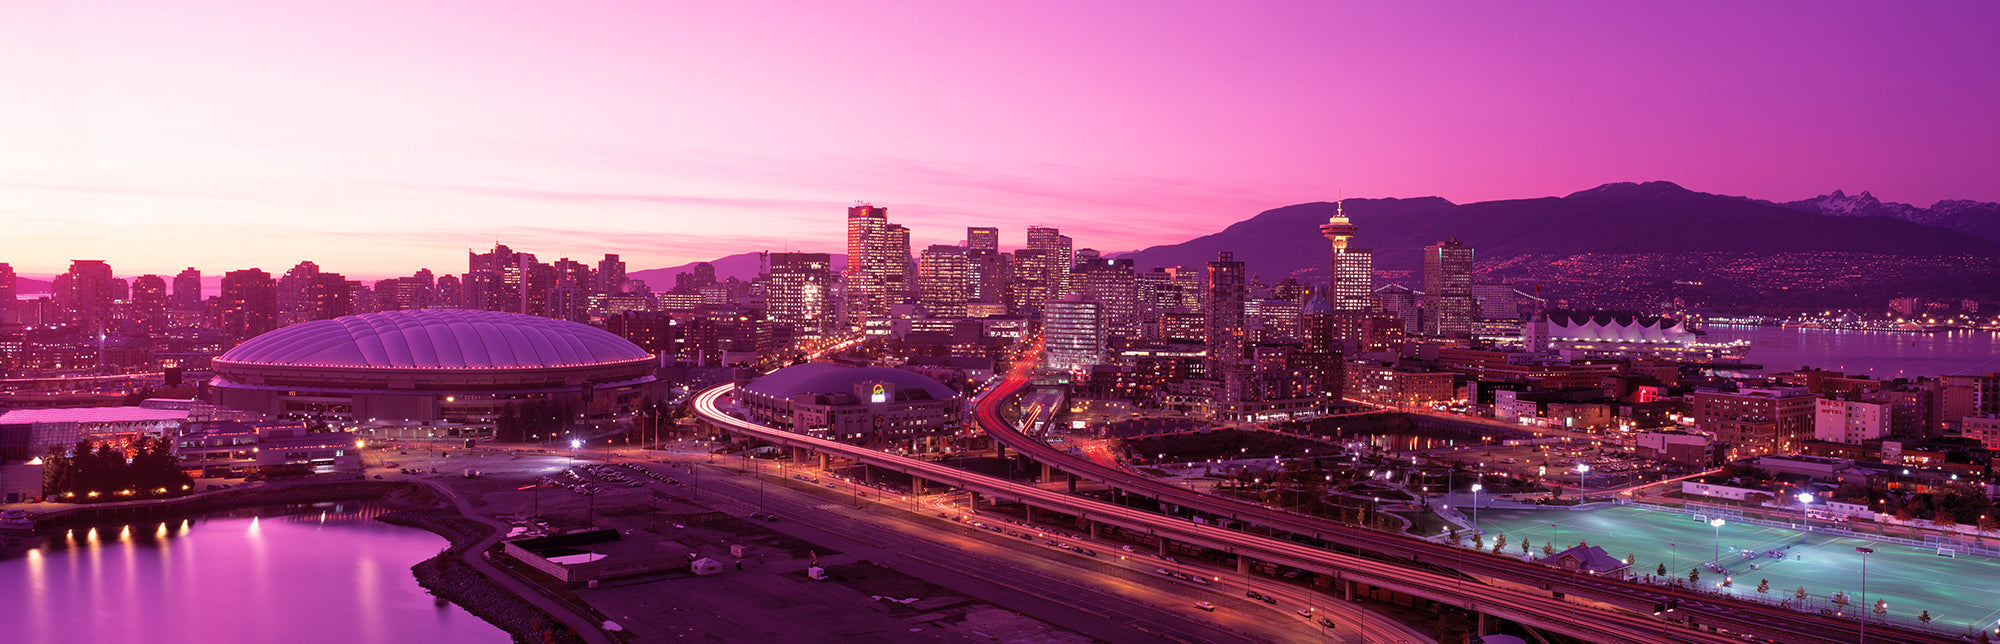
1959	592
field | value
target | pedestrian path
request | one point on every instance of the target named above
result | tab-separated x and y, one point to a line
583	626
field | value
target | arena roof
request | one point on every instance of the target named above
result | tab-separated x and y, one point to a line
830	378
90	415
436	339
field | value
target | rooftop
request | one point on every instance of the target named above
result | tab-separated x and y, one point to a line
436	339
90	415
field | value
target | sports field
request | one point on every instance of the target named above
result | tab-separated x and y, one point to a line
1959	592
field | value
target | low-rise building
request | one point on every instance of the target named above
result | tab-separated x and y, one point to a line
1757	421
1679	447
1841	420
28	433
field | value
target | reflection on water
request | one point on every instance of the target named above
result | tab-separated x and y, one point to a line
1881	354
321	573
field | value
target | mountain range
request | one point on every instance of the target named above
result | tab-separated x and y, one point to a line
1656	217
1979	218
1642	245
1626	244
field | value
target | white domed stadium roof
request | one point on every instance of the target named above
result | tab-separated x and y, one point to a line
436	339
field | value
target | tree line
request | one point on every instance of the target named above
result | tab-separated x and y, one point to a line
148	464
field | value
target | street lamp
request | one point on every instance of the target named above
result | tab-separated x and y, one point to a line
1475	506
1718	539
1805	517
1583	482
1864	590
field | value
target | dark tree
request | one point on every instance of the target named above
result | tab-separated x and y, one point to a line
117	470
58	472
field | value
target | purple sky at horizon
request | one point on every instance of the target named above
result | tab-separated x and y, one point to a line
375	138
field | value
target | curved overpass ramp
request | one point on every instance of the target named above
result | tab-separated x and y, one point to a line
1761	621
1522	605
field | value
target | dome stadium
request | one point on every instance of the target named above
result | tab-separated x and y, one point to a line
876	406
430	366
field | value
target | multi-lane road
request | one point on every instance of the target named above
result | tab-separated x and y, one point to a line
1515	603
1741	617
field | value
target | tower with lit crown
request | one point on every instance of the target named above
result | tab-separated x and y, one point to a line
1353	276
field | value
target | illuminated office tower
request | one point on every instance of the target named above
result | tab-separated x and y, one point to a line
941	281
1057	258
878	261
1448	289
1030	287
1073	333
982	241
1353	275
1112	284
800	294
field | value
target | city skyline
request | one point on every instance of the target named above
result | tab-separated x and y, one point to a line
379	142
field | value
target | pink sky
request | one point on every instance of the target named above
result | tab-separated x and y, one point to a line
377	137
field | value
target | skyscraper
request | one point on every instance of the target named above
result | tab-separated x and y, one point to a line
982	241
149	303
994	272
1448	289
1073	332
187	290
1029	287
297	292
941	281
878	259
800	293
1058	258
327	296
1112	284
486	286
249	305
7	296
84	294
1353	276
1224	314
611	275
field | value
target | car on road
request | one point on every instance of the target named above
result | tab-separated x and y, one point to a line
1328	623
1304	613
1205	606
1164	571
1253	594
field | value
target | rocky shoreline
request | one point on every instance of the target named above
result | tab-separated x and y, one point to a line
448	577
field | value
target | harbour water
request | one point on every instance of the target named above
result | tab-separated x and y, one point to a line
325	573
1880	354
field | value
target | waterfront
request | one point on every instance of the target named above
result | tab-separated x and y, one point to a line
1881	354
324	573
